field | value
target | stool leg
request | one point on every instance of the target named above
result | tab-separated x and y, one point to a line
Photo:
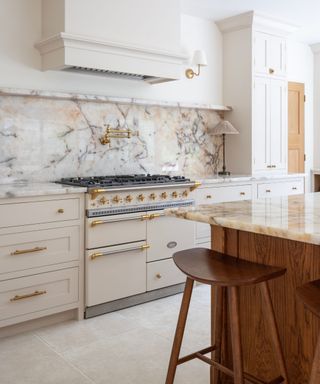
233	296
175	352
217	294
270	316
315	373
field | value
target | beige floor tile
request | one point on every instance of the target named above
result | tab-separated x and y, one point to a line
136	357
25	359
74	334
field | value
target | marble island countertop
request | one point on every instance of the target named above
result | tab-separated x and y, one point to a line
294	217
26	189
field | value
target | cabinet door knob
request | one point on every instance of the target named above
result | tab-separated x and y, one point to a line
158	276
271	71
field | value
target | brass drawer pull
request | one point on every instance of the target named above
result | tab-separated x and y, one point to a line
60	210
154	216
145	217
269	166
271	71
21	297
268	190
100	254
242	193
209	196
22	251
294	188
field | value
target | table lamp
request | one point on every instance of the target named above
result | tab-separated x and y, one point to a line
224	128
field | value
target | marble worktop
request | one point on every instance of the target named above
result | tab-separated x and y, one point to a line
25	189
216	179
294	217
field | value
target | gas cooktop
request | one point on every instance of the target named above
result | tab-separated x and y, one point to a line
123	180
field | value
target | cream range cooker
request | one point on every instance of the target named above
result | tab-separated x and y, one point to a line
129	242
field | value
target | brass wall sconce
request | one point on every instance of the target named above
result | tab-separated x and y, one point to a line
200	60
112	133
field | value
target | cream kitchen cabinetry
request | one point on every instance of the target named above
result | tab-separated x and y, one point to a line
269	54
270	124
255	84
41	257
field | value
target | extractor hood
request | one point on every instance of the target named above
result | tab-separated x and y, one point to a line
129	53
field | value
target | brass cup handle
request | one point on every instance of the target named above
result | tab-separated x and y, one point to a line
27	296
22	251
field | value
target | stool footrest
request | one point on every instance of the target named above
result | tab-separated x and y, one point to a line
248	378
195	355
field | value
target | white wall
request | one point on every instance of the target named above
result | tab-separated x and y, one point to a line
20	22
300	69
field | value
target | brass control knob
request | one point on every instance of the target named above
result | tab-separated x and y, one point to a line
116	199
129	198
185	193
174	194
103	200
141	197
164	195
152	196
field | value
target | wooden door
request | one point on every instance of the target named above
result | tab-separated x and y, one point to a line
296	127
278	124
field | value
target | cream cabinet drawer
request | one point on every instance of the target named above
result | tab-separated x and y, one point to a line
111	230
284	188
26	250
36	293
163	274
115	272
37	212
224	194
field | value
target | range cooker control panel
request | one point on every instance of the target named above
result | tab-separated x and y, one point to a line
138	197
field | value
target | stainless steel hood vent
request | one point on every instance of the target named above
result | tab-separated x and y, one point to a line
114	74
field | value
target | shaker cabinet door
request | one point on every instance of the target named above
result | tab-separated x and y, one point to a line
261	124
269	55
278	124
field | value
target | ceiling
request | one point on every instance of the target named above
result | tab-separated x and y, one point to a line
303	13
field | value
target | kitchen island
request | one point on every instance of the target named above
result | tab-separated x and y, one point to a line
282	231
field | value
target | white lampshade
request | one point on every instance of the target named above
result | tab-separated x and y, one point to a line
199	58
224	127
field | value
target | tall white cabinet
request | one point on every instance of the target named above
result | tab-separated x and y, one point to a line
255	84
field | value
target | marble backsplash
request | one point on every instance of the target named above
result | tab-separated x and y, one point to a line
44	139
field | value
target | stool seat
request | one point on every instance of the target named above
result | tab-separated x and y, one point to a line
310	295
214	268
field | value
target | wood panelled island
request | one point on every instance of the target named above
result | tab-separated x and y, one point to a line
285	232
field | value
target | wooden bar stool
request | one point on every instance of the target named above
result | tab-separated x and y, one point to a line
227	274
310	296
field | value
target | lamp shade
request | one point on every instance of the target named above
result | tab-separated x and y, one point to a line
224	127
199	58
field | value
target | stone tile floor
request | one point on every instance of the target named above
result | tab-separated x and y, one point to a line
131	346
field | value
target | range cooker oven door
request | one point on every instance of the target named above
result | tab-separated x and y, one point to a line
115	229
115	272
167	235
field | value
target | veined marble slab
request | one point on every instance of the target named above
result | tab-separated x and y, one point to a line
44	139
249	178
294	217
23	189
109	99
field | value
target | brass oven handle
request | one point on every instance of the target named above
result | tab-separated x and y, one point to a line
22	251
21	297
145	217
100	254
195	185
99	222
155	215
